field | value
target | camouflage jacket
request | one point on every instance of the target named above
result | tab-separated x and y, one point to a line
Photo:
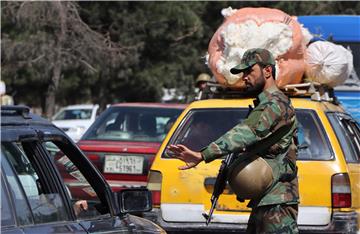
273	112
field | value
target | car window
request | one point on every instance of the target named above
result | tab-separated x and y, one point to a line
74	114
98	111
135	124
348	133
22	211
203	126
313	141
7	218
79	189
28	184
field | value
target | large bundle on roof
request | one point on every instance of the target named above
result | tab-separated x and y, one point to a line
328	63
248	28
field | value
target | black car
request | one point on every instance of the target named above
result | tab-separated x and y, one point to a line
49	186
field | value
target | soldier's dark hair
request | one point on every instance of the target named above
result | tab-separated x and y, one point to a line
273	73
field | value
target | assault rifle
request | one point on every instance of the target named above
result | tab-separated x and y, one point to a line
219	186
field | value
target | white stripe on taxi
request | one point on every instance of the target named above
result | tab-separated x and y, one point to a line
193	213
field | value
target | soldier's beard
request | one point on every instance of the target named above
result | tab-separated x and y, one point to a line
253	90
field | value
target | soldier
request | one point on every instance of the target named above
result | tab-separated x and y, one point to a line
275	211
201	81
200	84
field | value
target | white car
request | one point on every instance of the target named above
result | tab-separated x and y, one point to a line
76	119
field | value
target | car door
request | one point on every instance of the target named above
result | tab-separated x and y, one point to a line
39	205
97	217
8	224
191	190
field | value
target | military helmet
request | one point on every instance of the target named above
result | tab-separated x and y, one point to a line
203	77
250	178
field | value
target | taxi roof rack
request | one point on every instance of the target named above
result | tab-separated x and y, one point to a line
215	90
313	90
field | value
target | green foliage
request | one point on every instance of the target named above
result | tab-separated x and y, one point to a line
119	51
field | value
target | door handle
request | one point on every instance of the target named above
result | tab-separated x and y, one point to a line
209	183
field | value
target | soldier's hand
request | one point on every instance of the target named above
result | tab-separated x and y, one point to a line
191	158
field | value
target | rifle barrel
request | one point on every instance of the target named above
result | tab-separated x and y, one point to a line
213	205
219	186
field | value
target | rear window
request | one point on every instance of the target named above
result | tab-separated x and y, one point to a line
141	124
313	141
203	126
348	133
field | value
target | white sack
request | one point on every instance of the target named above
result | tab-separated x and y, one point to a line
328	63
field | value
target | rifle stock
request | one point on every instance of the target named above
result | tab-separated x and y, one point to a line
219	186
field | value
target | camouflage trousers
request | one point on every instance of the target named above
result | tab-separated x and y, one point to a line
280	218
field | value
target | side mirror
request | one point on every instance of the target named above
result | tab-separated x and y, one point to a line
134	200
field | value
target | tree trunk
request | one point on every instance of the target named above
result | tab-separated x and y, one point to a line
99	93
56	75
50	100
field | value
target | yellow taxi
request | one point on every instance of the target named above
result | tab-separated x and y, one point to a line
328	163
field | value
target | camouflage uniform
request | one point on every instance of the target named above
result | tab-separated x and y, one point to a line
276	210
273	219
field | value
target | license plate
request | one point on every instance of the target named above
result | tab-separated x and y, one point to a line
123	164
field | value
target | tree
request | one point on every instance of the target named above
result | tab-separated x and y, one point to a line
169	33
50	37
116	51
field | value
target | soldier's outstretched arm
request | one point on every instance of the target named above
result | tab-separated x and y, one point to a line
256	127
191	158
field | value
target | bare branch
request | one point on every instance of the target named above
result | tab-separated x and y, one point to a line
190	33
37	59
77	58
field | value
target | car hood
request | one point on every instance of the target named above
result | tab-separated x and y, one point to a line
72	123
116	146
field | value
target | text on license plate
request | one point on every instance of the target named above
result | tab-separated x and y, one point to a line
123	164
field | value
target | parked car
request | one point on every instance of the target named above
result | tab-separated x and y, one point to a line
124	139
36	195
328	162
76	119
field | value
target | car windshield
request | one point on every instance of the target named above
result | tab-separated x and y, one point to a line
73	114
140	124
206	125
201	127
